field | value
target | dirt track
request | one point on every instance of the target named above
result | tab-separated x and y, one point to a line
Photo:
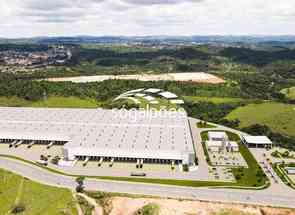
197	77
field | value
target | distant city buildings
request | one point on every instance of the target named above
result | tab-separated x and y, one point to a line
17	60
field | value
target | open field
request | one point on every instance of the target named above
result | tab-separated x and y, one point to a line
13	102
216	100
115	204
75	102
289	92
51	102
197	77
65	102
36	198
279	117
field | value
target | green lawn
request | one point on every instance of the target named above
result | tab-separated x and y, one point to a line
13	102
65	102
36	198
279	117
289	92
51	102
188	183
216	100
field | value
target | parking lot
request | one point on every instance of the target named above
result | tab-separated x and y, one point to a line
224	158
127	166
33	153
118	169
221	173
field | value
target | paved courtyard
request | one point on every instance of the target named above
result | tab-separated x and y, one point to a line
32	153
233	159
127	166
221	173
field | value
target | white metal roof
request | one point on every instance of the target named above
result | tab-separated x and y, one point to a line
290	170
217	135
133	91
168	95
149	133
153	90
177	101
140	94
149	98
257	139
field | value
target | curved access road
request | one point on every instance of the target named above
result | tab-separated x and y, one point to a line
284	198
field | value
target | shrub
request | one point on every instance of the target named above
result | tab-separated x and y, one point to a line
19	208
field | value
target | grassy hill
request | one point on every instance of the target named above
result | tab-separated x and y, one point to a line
216	100
35	198
279	117
65	102
289	92
51	102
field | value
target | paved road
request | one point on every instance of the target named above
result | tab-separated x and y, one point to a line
264	197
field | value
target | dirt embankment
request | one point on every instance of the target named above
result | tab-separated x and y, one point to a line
197	77
129	206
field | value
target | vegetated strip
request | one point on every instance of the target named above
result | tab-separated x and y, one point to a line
173	182
278	168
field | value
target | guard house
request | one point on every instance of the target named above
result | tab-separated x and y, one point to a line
290	170
217	136
257	141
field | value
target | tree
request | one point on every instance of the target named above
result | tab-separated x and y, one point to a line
80	187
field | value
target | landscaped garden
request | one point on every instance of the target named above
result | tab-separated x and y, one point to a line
253	176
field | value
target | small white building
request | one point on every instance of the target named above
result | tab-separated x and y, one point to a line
177	101
217	136
168	95
290	170
257	141
218	141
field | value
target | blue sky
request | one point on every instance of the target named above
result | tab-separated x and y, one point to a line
27	18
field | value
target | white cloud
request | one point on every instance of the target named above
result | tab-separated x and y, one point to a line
145	17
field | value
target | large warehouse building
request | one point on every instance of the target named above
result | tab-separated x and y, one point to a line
158	137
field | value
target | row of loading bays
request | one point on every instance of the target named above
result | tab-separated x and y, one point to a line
139	161
17	142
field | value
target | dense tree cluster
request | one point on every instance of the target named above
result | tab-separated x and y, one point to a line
209	111
257	57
